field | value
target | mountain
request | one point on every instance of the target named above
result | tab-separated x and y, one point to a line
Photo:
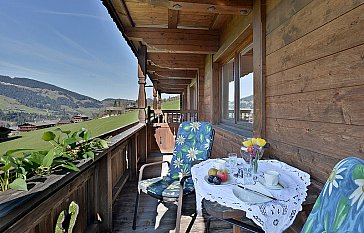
111	102
23	99
247	102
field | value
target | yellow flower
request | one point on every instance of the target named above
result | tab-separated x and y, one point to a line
254	141
260	142
247	143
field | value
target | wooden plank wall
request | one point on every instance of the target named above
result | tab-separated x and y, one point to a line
315	82
206	105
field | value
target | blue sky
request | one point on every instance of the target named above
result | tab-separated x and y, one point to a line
73	44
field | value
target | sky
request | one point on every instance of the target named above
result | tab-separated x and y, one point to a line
246	87
72	44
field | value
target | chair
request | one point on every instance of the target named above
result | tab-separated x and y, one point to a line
339	208
193	144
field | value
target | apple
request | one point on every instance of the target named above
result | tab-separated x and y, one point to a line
223	175
212	172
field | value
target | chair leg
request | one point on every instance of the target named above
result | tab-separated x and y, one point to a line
136	209
179	210
208	221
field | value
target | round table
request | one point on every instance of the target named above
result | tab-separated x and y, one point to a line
272	216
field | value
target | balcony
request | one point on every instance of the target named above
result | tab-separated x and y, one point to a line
307	70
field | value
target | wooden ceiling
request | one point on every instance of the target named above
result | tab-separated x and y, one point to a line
178	34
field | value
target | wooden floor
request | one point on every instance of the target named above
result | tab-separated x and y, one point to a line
158	217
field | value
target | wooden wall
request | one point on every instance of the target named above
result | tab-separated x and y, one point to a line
206	105
315	82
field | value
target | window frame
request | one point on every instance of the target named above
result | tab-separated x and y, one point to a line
245	128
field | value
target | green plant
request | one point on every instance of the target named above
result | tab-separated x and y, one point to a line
63	226
67	147
12	174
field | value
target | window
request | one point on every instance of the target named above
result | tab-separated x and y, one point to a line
228	92
237	90
246	94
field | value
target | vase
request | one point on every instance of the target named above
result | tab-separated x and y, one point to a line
255	165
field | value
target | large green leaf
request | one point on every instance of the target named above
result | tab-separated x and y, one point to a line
202	138
358	172
48	159
308	226
37	157
69	141
85	134
326	224
19	184
317	204
89	154
185	148
179	155
190	136
10	152
48	136
207	129
187	127
342	211
73	210
70	166
103	143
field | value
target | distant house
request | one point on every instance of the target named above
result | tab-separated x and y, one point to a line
64	122
4	132
80	118
114	110
30	126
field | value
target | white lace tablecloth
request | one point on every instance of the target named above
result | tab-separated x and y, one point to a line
273	216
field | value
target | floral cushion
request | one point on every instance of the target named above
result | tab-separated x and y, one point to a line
193	142
165	187
339	208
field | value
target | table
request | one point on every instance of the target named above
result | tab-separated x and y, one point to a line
272	216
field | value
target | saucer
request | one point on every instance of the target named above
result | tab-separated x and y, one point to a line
274	187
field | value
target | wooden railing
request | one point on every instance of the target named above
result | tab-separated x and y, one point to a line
245	114
94	188
172	116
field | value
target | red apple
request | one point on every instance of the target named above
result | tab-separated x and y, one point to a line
223	175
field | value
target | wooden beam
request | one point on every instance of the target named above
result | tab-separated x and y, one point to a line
177	60
229	7
176	40
142	59
176	82
172	73
172	18
259	22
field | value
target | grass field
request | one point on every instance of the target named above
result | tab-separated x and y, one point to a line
170	105
96	127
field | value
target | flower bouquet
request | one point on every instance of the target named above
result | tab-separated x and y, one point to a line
254	148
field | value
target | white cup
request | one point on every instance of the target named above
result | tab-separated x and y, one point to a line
271	178
220	164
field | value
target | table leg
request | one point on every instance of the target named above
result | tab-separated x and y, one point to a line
236	229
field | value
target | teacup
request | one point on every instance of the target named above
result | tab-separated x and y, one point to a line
271	178
220	164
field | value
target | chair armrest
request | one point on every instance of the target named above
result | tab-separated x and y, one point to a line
183	180
147	165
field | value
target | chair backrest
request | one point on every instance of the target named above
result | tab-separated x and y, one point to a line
193	142
339	208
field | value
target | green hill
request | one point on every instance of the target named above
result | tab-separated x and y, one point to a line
96	127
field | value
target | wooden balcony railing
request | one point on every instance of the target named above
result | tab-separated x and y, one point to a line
94	188
172	116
